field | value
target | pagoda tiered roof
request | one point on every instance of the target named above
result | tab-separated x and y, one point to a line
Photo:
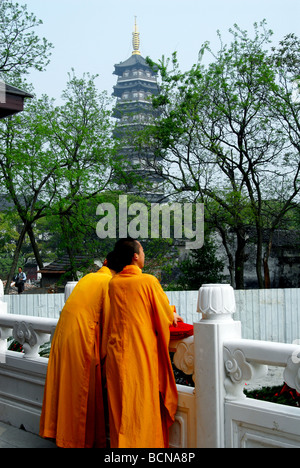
134	61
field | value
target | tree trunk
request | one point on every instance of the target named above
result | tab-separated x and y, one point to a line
259	258
229	255
240	259
35	247
266	263
15	259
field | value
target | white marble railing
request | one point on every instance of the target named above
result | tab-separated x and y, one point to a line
223	363
22	376
247	360
265	314
217	357
30	332
33	332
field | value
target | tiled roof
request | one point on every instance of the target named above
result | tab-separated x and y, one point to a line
62	265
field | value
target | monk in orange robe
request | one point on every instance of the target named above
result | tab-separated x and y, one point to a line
73	411
141	387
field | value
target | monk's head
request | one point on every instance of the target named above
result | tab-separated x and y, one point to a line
130	252
112	262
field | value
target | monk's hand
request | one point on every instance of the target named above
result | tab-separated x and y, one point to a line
177	319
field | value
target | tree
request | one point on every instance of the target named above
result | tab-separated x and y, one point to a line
53	158
201	266
79	133
221	140
8	238
20	48
284	106
23	167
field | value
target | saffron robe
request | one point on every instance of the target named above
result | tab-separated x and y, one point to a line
73	409
142	393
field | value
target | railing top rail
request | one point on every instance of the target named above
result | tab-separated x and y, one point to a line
264	352
40	324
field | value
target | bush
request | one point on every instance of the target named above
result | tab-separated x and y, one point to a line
200	267
283	395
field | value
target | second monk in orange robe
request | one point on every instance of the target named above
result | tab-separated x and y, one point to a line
141	387
73	410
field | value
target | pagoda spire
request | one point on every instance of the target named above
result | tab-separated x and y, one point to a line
136	40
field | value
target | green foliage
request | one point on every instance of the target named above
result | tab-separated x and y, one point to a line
20	47
281	394
200	267
229	135
54	160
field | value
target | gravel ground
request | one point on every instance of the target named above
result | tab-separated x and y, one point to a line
272	379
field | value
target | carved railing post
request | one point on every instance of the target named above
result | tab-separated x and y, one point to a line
239	370
4	333
216	303
31	340
291	373
69	288
183	357
30	332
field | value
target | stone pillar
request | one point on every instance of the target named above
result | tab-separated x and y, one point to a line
3	305
69	288
4	334
216	303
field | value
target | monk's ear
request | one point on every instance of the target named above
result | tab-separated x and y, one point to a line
135	256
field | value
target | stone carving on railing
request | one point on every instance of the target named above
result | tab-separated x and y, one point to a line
30	332
246	360
183	358
31	340
5	333
291	373
216	302
239	371
237	368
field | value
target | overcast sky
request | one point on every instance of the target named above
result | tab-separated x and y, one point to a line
93	35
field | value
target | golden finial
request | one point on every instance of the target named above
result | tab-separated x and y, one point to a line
136	39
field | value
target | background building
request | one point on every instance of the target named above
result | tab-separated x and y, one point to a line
136	84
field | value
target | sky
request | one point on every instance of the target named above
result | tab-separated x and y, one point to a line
93	35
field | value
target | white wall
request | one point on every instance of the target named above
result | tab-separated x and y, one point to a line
271	315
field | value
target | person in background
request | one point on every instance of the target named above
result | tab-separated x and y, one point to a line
141	387
74	406
20	280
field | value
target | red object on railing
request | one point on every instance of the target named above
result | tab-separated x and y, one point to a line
183	330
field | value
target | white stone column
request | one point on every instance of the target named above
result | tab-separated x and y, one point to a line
216	302
69	289
4	334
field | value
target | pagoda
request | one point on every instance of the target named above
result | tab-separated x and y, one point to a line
136	84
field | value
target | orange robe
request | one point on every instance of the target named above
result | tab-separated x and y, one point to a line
141	388
73	410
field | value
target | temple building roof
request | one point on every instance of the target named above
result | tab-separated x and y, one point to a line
11	100
135	61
